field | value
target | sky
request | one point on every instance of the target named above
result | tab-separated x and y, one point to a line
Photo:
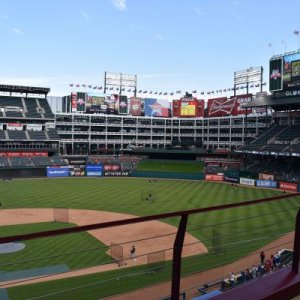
170	44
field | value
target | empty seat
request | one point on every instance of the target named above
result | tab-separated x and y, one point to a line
37	135
45	105
53	135
16	135
32	108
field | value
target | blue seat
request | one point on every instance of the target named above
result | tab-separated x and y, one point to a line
208	295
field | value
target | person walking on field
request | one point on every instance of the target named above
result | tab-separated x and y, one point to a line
262	257
132	253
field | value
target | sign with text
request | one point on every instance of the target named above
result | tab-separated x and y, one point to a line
288	186
57	172
94	170
247	181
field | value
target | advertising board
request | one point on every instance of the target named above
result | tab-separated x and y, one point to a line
231	179
266	183
116	173
14	126
265	176
288	186
94	170
135	106
247	181
241	100
111	167
156	107
275	80
34	127
220	107
188	108
95	102
214	177
74	102
57	172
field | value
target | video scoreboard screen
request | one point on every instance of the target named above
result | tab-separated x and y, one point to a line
285	73
188	108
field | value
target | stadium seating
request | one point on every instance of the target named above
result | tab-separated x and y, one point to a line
45	105
2	135
31	106
40	161
14	114
58	161
21	162
11	101
53	135
37	135
4	162
16	135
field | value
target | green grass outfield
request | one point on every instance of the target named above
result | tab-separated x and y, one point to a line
157	165
124	195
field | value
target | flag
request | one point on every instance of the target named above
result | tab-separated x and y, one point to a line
150	92
117	89
71	84
129	90
242	87
228	90
160	93
208	93
83	85
264	83
296	32
224	90
100	88
252	85
89	86
77	85
172	94
220	91
233	89
195	91
257	85
145	92
139	91
178	92
95	87
165	93
212	92
111	88
155	93
237	88
202	93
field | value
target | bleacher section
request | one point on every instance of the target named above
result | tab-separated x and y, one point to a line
14	114
58	161
16	135
45	105
40	161
37	135
2	135
53	135
4	162
31	106
21	162
11	101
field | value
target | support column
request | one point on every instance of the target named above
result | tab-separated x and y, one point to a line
296	255
178	245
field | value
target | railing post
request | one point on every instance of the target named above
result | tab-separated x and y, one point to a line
296	254
178	245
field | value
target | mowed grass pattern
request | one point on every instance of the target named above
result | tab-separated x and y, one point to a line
158	165
254	226
67	249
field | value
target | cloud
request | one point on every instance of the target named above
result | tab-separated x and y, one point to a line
158	36
4	17
199	11
85	15
119	4
18	31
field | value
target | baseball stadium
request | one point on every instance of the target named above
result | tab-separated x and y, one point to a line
195	200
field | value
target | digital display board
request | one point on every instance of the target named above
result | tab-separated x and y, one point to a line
94	170
95	103
291	71
188	108
156	107
275	75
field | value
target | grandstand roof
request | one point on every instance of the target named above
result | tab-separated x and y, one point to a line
277	103
23	89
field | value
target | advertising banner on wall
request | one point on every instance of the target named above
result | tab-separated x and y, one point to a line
112	167
74	102
14	126
265	176
214	177
291	71
156	107
116	173
288	186
231	179
57	172
94	103
23	154
266	183
241	100
50	125
81	98
247	181
220	107
123	104
77	171
34	127
135	106
94	170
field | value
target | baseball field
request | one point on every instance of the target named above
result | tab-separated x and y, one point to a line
237	232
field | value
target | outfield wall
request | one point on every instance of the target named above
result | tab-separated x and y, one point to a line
169	175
